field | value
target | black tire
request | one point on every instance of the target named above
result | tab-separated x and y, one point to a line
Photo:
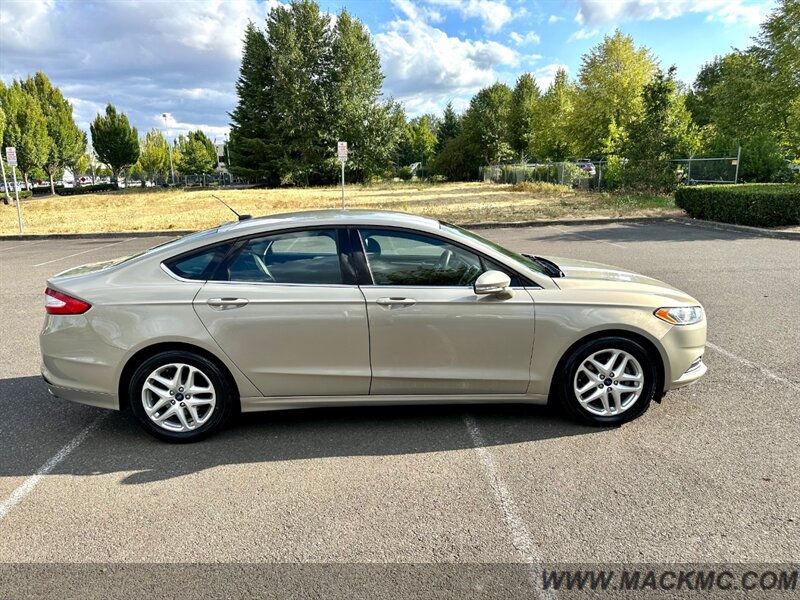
567	394
224	391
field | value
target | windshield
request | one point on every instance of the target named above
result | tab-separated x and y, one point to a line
523	260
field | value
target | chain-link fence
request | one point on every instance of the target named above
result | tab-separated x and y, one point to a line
617	172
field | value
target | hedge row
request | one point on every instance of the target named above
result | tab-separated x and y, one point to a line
756	204
85	189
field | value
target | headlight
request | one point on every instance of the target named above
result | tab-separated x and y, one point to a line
680	315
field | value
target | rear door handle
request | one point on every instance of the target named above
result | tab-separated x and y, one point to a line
226	303
396	301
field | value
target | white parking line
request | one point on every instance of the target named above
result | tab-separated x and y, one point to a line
568	232
520	536
79	253
750	363
31	482
26	244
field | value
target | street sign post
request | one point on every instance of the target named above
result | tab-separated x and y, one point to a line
11	159
341	155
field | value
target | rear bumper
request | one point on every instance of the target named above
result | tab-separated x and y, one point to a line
91	398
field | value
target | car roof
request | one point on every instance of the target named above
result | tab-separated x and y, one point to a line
332	217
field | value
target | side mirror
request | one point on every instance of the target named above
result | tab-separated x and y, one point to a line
493	282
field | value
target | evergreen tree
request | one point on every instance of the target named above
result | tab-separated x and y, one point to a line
305	84
248	148
449	128
114	140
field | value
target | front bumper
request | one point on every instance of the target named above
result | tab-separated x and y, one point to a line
684	346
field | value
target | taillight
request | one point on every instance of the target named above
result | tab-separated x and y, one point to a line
57	303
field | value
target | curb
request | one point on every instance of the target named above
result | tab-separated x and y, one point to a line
178	232
98	236
542	223
754	231
730	227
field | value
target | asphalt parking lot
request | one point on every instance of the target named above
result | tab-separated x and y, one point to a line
710	475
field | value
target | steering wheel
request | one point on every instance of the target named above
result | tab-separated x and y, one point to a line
444	260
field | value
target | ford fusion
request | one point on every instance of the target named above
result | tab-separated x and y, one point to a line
360	308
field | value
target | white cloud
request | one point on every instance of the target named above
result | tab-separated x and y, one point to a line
532	58
598	13
424	66
583	34
545	75
529	38
554	19
25	22
417	12
493	13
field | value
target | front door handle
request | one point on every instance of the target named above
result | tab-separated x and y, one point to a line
396	301
226	303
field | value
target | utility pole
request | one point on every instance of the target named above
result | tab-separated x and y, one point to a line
171	169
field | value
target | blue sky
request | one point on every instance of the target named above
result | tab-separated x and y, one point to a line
181	57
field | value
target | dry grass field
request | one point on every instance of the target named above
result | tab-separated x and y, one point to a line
463	203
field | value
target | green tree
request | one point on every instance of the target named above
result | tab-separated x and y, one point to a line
552	138
524	115
422	140
486	127
250	152
211	149
609	95
304	84
154	156
449	128
67	141
664	131
6	196
699	100
114	140
192	157
26	129
777	49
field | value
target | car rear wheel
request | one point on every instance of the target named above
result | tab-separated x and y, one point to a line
608	381
180	396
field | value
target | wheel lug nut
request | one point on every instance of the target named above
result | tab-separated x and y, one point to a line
616	383
172	392
180	389
612	374
188	397
173	402
600	387
182	404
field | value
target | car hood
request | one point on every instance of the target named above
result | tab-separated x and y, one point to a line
597	276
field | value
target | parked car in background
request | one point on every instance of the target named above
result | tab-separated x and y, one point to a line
354	307
586	165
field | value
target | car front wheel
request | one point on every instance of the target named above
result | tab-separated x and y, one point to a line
180	396
608	381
